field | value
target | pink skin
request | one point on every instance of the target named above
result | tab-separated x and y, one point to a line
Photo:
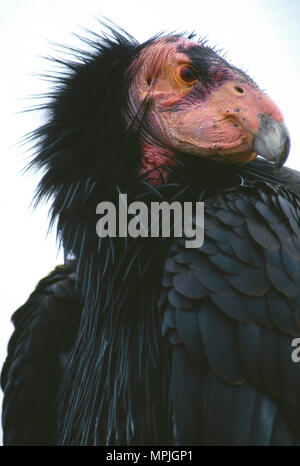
216	120
155	160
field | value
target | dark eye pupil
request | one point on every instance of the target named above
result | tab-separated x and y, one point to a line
187	74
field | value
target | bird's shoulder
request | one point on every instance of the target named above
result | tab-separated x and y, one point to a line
45	329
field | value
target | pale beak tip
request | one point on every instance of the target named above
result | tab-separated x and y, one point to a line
272	140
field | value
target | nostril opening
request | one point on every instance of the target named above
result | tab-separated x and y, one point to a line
239	90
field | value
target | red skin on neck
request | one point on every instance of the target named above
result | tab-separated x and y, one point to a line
156	159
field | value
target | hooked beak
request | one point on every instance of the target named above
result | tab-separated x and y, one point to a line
272	140
234	125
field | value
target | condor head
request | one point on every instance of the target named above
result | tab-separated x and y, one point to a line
199	104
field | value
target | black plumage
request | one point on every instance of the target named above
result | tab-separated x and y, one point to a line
243	327
139	340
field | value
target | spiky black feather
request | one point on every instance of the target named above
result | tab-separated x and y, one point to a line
89	155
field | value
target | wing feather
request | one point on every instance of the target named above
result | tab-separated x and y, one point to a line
45	328
236	302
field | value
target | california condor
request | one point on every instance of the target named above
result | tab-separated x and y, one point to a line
142	341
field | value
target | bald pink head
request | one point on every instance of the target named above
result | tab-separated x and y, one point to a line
187	99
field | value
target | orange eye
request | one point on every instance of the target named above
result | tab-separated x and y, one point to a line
187	74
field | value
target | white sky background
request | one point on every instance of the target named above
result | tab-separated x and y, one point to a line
260	36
